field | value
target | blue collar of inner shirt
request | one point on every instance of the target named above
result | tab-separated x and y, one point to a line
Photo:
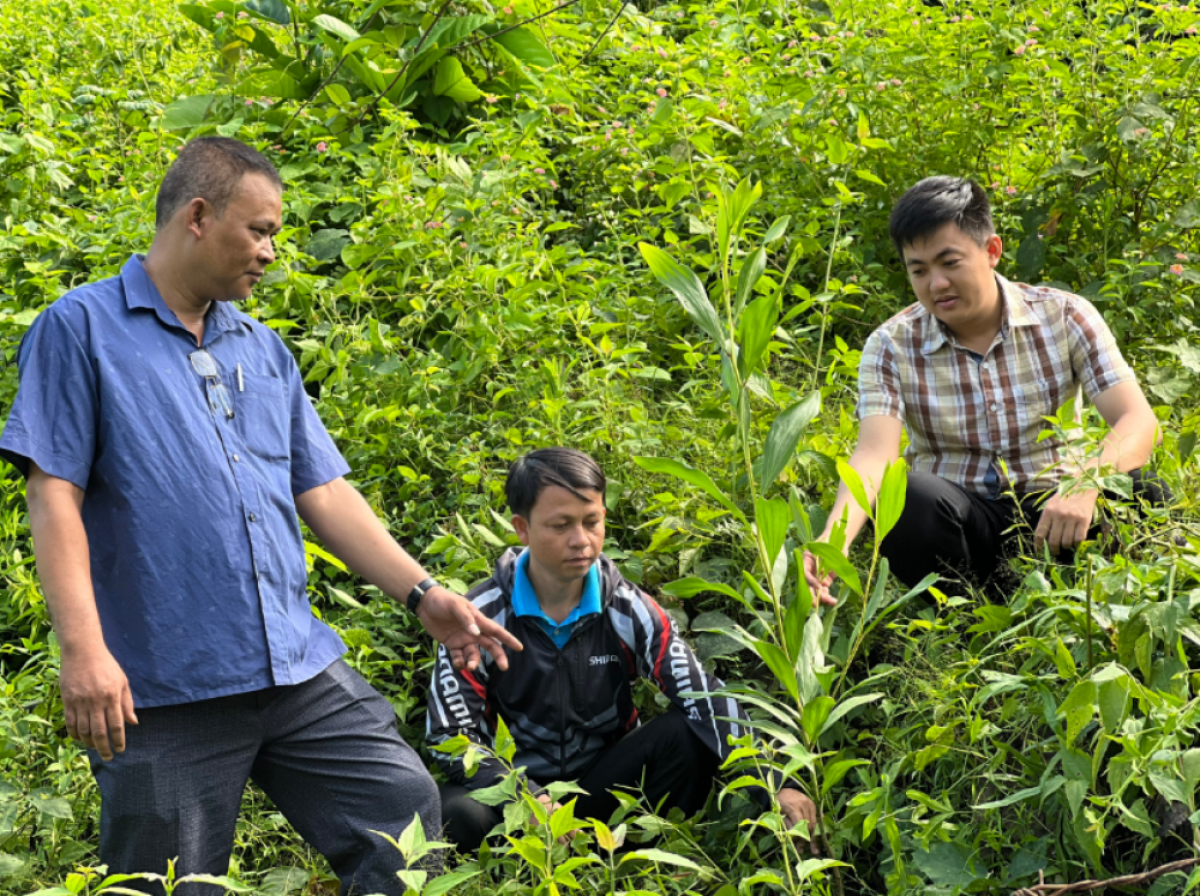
525	602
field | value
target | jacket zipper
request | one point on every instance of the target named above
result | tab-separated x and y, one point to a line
562	721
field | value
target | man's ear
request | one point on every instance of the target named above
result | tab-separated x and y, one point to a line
995	249
196	214
522	526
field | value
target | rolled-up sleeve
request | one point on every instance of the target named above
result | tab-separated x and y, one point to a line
315	459
53	418
1095	357
878	380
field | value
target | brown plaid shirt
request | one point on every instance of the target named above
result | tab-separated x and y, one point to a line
964	415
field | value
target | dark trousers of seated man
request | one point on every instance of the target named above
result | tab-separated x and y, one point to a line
661	759
966	536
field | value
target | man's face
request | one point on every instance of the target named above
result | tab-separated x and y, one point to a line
953	276
237	245
565	535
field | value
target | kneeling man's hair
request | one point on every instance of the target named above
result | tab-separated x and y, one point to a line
564	467
210	168
937	201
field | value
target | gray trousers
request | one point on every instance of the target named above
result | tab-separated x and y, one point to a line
326	752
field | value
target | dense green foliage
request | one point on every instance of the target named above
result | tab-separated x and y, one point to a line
460	278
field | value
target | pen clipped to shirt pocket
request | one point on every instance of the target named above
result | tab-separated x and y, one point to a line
262	415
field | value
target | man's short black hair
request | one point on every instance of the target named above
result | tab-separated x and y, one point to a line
940	200
210	168
564	467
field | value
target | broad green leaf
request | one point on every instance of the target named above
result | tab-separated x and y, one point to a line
798	610
272	10
273	84
776	230
783	437
284	881
503	744
690	586
757	325
816	711
854	483
811	659
752	269
698	478
186	113
687	288
1079	708
449	31
837	149
563	819
742	200
451	81
449	880
835	771
772	518
1064	661
335	26
889	502
661	857
779	664
835	561
848	705
1114	702
525	45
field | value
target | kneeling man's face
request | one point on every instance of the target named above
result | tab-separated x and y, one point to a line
953	276
565	535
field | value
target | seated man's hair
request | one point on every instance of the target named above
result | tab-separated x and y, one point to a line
564	467
937	201
210	168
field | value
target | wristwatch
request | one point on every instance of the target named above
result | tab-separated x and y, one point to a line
414	596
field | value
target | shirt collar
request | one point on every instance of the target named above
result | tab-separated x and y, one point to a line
1016	314
140	292
525	602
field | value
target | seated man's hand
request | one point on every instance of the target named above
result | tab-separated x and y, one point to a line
798	807
456	622
1065	521
553	806
818	584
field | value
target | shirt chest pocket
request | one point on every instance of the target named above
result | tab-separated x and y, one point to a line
261	416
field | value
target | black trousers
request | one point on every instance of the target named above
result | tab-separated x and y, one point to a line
661	759
326	752
948	530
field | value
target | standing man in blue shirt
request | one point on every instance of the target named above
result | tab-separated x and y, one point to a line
169	445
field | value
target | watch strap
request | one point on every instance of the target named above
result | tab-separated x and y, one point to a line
414	596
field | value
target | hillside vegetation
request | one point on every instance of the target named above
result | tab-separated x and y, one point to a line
484	204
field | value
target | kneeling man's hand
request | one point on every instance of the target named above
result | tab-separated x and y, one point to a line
455	622
1065	521
798	807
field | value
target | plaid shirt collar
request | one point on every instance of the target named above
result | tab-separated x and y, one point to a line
1016	314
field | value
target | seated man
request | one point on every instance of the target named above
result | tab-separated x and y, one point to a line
567	698
971	369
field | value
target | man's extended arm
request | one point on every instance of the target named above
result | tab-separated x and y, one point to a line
878	445
342	519
1133	434
97	702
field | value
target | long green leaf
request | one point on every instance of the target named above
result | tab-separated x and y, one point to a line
691	475
778	663
335	26
889	502
783	437
752	270
772	519
687	288
835	560
854	483
451	81
757	326
690	586
523	44
846	706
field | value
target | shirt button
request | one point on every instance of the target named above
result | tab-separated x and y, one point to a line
253	518
236	459
994	405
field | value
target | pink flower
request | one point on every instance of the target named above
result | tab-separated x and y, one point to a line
637	47
1034	28
1176	269
515	210
91	217
249	102
662	91
881	85
539	170
243	15
1031	42
1010	190
1181	256
1191	29
491	98
810	74
553	185
1020	51
968	18
792	44
721	105
955	18
849	34
661	52
505	157
220	15
712	23
462	245
322	146
842	92
896	82
815	37
975	107
508	10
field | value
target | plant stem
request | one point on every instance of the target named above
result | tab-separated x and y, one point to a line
837	225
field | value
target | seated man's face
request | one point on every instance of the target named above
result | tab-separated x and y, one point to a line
953	277
565	535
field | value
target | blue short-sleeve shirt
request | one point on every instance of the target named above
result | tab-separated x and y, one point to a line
197	559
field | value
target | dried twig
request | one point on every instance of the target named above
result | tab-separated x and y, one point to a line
1084	886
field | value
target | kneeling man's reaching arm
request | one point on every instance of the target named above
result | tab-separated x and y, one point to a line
878	445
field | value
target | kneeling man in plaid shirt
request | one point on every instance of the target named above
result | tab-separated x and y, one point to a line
970	371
